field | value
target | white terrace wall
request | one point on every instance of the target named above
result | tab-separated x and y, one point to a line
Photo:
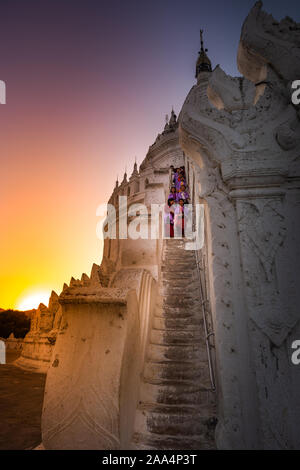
93	381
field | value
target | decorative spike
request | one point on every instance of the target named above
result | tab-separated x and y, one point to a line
173	118
94	272
201	39
135	170
53	302
42	307
85	279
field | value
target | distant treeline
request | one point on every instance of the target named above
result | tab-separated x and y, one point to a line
12	321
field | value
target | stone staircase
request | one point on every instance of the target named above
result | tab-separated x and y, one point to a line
176	410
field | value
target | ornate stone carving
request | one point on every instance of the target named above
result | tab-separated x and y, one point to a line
263	229
267	41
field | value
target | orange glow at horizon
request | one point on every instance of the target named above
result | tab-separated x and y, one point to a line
48	213
33	298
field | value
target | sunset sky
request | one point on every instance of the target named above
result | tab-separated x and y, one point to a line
88	86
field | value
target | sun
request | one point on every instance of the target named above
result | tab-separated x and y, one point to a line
32	299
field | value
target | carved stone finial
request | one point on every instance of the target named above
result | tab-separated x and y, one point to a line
203	62
125	176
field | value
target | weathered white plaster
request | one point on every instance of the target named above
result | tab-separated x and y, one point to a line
244	146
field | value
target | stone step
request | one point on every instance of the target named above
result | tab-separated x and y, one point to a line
173	278
178	266
178	393
174	243
178	253
179	291
152	441
182	284
189	323
179	281
202	382
167	263
179	249
182	255
182	270
176	247
178	312
173	260
168	274
177	302
179	298
171	370
162	353
176	336
170	421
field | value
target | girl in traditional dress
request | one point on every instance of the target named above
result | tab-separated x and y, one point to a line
179	180
169	218
173	193
183	194
179	219
176	174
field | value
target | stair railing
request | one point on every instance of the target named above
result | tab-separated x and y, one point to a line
204	300
208	334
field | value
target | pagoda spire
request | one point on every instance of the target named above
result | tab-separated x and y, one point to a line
203	63
135	169
201	39
173	119
125	176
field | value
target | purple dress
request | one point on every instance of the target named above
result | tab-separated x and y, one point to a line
182	195
169	214
172	196
179	182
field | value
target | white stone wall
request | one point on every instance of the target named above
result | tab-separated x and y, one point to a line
244	142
